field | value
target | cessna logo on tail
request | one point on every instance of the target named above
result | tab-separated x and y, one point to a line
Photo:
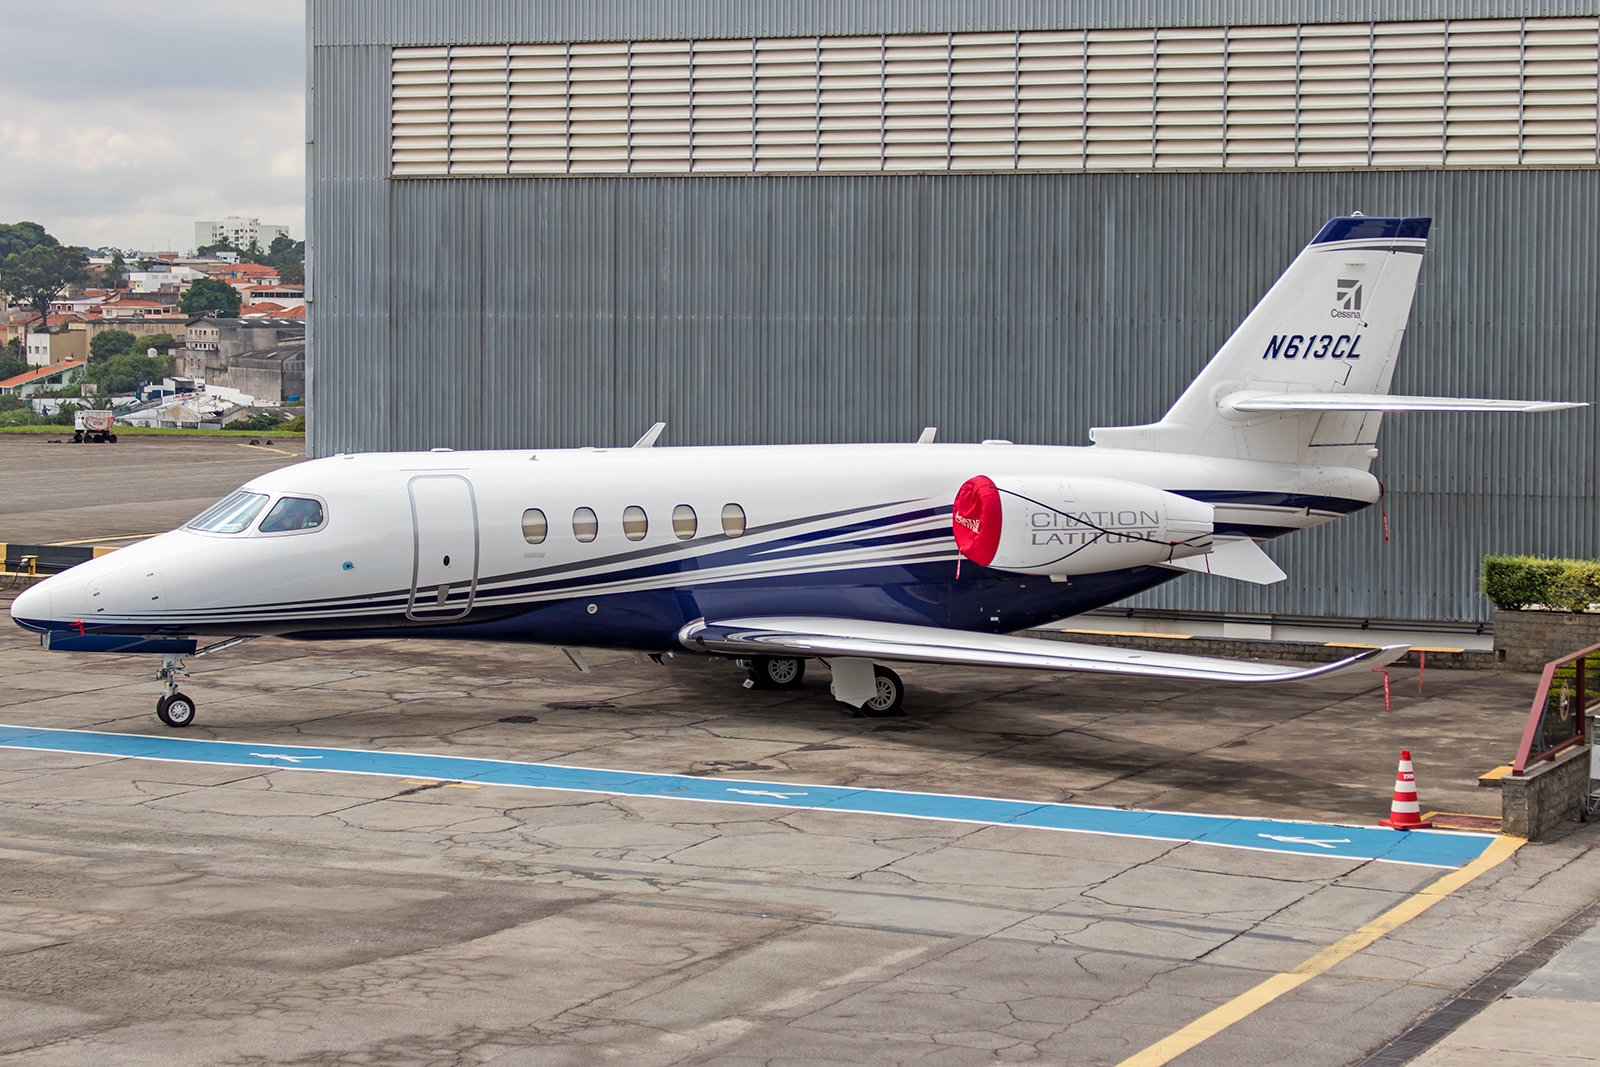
1347	299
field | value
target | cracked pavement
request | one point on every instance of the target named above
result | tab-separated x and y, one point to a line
187	914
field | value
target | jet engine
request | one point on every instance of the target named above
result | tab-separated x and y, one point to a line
1065	526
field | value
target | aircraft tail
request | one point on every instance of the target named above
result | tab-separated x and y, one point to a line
1331	325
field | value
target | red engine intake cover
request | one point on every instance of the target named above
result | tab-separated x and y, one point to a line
975	520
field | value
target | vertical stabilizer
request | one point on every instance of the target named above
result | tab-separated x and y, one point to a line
1331	324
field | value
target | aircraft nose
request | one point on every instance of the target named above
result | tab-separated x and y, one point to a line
31	609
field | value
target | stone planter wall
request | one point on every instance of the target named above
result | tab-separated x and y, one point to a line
1527	640
1550	793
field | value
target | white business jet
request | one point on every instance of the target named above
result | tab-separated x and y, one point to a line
858	555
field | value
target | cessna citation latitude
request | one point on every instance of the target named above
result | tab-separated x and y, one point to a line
859	556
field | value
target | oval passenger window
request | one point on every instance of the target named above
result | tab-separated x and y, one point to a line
635	524
534	527
733	520
584	525
293	513
684	522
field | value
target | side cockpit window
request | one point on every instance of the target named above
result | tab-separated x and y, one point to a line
293	513
231	514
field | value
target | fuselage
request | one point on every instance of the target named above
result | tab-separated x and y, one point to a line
623	547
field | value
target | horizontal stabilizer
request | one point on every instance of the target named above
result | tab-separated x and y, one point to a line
899	642
1241	559
1297	403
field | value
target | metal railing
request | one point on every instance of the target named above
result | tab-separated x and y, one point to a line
1560	715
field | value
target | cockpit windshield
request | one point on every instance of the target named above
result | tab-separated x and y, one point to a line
293	513
231	514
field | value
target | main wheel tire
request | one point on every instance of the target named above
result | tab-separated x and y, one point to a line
176	710
891	694
778	672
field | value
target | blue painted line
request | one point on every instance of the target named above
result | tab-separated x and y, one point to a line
1420	847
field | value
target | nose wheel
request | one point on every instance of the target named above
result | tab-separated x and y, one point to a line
175	709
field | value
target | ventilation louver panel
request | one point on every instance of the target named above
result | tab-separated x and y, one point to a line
1462	93
1191	99
1120	104
1052	82
1408	98
1558	101
788	99
539	104
1335	101
1262	96
420	112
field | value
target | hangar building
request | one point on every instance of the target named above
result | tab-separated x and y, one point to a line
551	224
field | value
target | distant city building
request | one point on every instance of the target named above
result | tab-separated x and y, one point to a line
173	279
45	349
55	376
142	308
80	302
285	296
244	276
238	232
272	375
213	348
21	325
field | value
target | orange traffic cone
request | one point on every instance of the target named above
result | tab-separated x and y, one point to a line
1404	812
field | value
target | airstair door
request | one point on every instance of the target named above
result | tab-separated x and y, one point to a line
444	575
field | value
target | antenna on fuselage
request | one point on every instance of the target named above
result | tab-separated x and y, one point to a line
650	435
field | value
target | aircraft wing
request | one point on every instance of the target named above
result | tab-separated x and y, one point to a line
899	642
1305	402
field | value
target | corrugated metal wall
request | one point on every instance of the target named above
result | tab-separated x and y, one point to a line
511	313
427	22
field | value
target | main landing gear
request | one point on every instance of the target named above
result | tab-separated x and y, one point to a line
891	693
874	691
777	672
174	708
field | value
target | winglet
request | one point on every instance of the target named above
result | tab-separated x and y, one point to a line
650	435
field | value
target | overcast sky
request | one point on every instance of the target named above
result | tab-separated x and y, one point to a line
122	124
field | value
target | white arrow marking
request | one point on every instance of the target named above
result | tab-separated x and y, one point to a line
765	793
279	755
1327	842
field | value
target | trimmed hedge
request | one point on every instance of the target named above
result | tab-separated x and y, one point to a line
1515	582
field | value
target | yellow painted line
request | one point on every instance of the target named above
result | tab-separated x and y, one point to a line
1217	1020
1420	648
264	448
1342	644
1127	633
1496	774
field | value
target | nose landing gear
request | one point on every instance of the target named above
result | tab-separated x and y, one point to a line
174	708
